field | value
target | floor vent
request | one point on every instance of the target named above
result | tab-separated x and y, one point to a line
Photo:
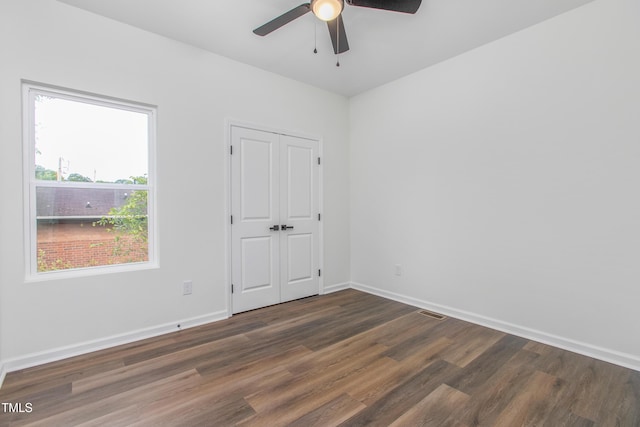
433	315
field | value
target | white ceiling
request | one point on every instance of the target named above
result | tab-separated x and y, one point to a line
384	45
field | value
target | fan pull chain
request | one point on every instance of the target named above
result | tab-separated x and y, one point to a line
338	40
315	37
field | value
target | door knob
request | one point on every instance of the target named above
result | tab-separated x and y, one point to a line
287	227
275	228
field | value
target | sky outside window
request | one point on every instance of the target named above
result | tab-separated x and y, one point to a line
101	143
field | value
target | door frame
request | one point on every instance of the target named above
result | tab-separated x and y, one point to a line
229	123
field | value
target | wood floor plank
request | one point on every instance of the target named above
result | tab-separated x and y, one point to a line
414	344
58	374
160	366
434	410
219	400
371	388
81	408
624	408
333	354
538	348
284	326
246	354
477	373
355	322
523	409
308	391
228	409
122	417
403	328
471	343
561	416
505	385
239	371
194	340
83	366
581	386
45	399
347	358
605	383
331	413
402	398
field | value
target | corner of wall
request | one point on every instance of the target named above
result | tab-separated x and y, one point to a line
3	373
336	287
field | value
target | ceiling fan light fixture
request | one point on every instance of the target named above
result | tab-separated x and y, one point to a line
327	10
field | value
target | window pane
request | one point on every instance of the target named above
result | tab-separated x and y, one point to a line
78	141
88	227
88	174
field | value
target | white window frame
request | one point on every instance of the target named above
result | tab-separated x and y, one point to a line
29	91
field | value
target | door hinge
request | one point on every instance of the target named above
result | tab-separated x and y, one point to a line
231	219
232	288
231	149
318	217
318	160
319	273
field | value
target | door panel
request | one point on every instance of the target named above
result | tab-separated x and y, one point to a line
256	263
298	209
299	182
300	263
257	186
255	250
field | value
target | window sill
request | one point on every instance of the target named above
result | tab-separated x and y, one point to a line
89	272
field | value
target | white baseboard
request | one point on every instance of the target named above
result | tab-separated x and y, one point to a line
35	359
3	372
336	287
612	356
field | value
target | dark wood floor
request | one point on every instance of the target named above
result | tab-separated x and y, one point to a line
346	358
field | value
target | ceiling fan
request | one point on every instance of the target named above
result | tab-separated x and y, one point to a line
330	11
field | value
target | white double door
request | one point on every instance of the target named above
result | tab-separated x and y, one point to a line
274	208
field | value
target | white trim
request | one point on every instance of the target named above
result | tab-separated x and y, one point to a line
263	128
72	273
36	359
76	218
230	123
321	289
93	98
28	196
227	215
92	185
336	287
3	373
612	356
153	229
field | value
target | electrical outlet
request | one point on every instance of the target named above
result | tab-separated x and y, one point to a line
398	270
187	287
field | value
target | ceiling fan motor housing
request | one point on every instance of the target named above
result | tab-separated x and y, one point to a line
327	10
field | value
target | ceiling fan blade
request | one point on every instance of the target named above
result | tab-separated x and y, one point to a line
283	19
405	6
338	35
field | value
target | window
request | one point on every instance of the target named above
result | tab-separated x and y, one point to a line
90	183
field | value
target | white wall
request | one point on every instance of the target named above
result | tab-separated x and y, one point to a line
195	91
506	183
